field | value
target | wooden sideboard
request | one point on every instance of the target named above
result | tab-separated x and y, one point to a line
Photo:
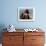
23	39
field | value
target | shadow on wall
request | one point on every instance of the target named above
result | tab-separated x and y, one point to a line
2	26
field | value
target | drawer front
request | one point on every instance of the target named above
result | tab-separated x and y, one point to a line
12	45
27	41
13	33
34	33
37	45
37	39
12	39
8	44
6	39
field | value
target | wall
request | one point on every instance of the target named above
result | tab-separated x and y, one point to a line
9	13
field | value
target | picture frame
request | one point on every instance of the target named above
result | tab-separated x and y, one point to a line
26	14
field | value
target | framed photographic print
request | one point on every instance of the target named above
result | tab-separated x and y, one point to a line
26	14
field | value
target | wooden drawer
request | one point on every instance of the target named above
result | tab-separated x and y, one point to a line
37	39
37	44
13	44
13	33
27	41
34	33
12	39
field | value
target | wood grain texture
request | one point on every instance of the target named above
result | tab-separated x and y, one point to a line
34	39
13	39
23	39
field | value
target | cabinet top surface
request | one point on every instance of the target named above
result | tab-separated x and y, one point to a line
22	30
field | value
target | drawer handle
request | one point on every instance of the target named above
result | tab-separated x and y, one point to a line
33	39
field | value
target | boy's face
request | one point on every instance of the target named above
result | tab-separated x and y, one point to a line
26	14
